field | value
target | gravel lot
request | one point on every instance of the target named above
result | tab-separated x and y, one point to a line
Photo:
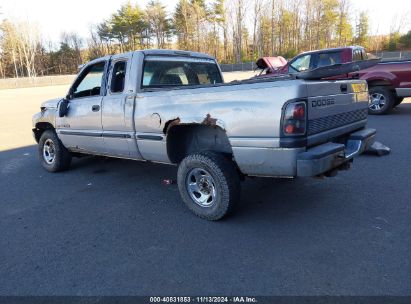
110	227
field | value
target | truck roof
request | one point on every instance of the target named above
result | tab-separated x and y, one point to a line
175	53
155	52
351	47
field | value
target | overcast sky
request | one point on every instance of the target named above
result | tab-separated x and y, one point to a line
55	16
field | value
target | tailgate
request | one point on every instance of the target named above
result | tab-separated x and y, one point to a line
335	108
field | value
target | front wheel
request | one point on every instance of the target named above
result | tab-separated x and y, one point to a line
53	155
209	184
382	100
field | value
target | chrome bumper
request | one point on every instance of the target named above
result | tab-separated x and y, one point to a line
329	156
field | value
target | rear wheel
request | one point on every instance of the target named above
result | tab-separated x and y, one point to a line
53	155
382	100
209	184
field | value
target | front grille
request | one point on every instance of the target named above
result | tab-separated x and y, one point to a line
334	121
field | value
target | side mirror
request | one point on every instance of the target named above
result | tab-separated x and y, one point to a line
63	107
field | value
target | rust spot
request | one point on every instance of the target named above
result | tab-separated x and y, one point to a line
209	121
171	123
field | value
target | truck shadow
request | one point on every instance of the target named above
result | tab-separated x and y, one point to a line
259	196
402	109
278	198
103	176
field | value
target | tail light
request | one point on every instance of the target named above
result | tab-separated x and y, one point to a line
295	119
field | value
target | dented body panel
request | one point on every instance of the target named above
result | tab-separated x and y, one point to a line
242	119
241	115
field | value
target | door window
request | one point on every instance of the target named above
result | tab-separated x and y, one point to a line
118	77
90	82
301	64
326	59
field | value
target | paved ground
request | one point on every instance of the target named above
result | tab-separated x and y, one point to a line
111	227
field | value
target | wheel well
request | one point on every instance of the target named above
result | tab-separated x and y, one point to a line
380	83
40	128
183	140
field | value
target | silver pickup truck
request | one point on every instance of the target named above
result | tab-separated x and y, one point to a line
173	107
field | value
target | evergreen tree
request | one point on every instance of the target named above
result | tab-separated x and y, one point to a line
362	28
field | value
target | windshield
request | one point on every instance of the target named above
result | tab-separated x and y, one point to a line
300	64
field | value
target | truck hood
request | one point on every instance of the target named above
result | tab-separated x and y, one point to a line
271	62
51	104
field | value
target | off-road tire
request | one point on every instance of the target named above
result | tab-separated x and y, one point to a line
226	181
62	157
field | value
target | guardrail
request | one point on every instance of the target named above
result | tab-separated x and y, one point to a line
237	67
29	82
387	56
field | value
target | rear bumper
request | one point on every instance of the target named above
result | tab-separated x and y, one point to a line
292	162
329	156
403	92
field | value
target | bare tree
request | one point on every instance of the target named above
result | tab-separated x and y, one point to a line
258	5
238	29
21	40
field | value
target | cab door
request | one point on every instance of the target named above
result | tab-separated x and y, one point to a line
118	109
80	129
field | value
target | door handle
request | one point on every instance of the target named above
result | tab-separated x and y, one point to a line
95	108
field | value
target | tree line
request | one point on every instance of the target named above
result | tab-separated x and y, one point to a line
233	31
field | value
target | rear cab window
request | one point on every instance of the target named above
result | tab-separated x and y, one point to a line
161	72
359	54
364	54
